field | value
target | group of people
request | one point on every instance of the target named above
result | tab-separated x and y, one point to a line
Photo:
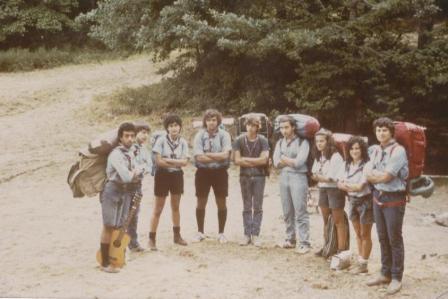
373	179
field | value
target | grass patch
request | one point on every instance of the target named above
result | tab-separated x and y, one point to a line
15	60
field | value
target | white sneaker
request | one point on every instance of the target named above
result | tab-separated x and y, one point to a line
256	241
246	241
198	237
302	249
222	239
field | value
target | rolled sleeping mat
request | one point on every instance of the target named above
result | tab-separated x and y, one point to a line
421	186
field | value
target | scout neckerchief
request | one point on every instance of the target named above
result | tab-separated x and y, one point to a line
173	145
210	136
250	149
383	153
360	167
125	152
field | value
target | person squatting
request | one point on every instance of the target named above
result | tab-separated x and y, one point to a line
373	180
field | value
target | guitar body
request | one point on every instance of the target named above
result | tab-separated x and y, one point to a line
120	239
117	249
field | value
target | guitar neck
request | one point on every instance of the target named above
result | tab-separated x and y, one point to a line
133	210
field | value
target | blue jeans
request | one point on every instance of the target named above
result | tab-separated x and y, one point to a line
252	191
293	193
389	223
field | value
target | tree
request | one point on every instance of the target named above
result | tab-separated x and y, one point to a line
345	61
36	23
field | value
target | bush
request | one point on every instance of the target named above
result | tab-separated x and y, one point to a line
14	60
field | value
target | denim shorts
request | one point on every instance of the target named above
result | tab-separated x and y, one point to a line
115	204
361	209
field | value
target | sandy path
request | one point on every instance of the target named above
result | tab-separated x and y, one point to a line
49	239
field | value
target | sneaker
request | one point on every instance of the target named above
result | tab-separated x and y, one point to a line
394	287
379	280
137	248
256	241
289	244
110	269
303	249
246	241
222	239
199	237
359	269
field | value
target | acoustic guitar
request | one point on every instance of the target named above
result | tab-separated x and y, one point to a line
120	238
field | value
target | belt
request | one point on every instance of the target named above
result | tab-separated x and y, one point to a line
127	186
390	204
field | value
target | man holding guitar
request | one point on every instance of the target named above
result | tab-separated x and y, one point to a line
123	180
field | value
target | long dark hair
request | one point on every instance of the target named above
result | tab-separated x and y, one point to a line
362	144
330	148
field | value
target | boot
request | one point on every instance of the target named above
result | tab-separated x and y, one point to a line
177	237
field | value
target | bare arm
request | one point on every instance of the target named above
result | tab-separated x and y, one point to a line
259	161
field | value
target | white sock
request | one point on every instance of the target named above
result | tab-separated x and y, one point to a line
361	260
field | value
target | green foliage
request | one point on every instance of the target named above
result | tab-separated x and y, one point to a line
40	23
14	60
346	62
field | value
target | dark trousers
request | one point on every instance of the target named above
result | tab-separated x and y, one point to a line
389	223
132	228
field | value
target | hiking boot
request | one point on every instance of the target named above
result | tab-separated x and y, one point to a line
394	287
245	241
199	237
222	239
110	269
379	280
179	241
359	268
289	244
303	249
256	241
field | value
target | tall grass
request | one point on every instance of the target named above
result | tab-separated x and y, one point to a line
14	60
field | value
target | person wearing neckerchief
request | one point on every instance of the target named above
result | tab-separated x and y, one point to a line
290	156
123	180
171	152
211	150
326	167
387	171
353	181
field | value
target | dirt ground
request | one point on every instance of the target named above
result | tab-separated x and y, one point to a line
49	239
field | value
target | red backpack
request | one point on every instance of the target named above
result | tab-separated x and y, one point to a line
413	139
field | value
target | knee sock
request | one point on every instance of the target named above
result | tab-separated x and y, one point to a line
222	217
105	254
200	216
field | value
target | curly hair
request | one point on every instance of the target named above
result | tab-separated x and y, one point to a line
210	113
362	144
170	119
384	122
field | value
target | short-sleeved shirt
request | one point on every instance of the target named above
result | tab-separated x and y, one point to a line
329	168
212	143
297	149
393	160
354	174
142	158
172	149
251	149
120	164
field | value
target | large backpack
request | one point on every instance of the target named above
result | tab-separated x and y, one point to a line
412	137
306	125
